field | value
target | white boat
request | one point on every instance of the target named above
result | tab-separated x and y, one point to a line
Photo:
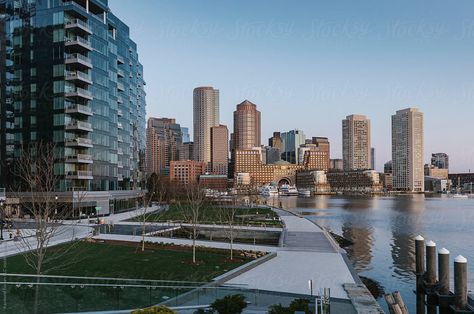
269	190
288	190
304	193
457	195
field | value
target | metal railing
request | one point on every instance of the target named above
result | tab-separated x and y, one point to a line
80	140
78	107
78	56
79	74
78	22
78	39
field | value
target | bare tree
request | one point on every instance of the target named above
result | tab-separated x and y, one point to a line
156	191
37	191
227	217
193	210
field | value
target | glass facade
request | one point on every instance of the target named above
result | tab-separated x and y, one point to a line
70	74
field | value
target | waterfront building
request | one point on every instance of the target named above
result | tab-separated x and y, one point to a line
247	124
273	154
186	137
186	151
313	180
355	181
440	160
205	116
71	75
314	156
281	172
336	165
459	180
437	185
219	150
242	179
356	143
291	141
387	167
408	150
164	140
275	141
185	172
214	182
386	179
435	172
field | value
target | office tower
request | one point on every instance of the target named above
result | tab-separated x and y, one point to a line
186	172
164	141
246	126
407	150
291	141
79	84
205	116
219	149
336	165
275	141
440	160
372	158
273	154
356	143
185	132
388	167
186	152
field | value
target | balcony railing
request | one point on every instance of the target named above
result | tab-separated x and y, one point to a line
79	158
78	58
81	174
120	87
120	73
77	108
120	125
78	92
78	75
77	23
80	125
79	141
77	40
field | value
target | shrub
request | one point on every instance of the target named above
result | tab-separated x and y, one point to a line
154	310
231	304
296	305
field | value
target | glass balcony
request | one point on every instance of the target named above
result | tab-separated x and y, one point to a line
120	100
120	60
79	126
120	87
79	175
120	112
78	26
79	60
78	76
79	159
78	93
78	42
78	109
79	142
120	73
120	125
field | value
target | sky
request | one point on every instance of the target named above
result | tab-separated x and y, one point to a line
308	64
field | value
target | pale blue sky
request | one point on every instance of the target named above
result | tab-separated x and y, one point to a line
308	64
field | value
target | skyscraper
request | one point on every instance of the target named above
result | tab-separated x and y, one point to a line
408	150
164	142
185	132
220	149
356	143
291	141
79	84
440	160
275	141
205	116
247	132
372	158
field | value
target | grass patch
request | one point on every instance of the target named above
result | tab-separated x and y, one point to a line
118	260
212	214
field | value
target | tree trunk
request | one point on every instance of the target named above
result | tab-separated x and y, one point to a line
231	248
37	291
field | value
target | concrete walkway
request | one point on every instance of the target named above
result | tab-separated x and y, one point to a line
307	253
210	244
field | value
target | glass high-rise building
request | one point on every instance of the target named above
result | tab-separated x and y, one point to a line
70	74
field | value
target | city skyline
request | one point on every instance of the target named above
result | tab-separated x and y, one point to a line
387	67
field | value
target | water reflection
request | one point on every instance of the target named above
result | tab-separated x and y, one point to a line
405	224
360	253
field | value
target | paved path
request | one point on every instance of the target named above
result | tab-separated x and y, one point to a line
306	253
211	244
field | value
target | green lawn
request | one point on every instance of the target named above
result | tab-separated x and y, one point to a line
158	262
213	214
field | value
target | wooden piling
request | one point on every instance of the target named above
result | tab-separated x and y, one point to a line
430	275
460	282
443	271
